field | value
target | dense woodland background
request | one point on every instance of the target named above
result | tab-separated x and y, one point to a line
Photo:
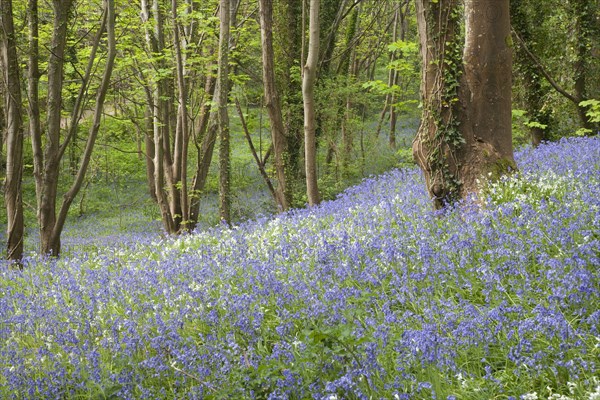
204	101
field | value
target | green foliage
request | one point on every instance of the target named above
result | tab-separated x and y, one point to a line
593	111
520	125
561	35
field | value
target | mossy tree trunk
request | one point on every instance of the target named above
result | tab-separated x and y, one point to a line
535	92
465	131
222	114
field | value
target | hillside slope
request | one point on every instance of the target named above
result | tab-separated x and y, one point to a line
372	295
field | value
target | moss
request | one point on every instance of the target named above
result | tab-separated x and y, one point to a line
500	167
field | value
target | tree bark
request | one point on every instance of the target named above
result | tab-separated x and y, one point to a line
13	195
259	162
182	131
465	131
51	168
272	102
222	114
308	93
160	115
486	94
93	133
33	79
149	146
205	148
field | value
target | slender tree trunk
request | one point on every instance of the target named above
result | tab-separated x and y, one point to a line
205	151
168	122
13	195
2	124
33	78
393	112
182	131
259	162
585	33
93	133
532	81
465	131
272	102
160	117
348	65
389	97
222	114
149	146
51	169
308	92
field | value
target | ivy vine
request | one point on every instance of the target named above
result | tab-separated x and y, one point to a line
442	147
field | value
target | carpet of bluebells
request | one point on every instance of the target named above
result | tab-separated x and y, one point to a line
370	296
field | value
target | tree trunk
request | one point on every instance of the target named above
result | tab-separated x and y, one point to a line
465	131
33	78
289	23
308	93
149	146
51	168
394	112
160	115
13	195
585	18
390	97
222	114
93	133
272	102
204	149
182	131
348	65
585	33
486	94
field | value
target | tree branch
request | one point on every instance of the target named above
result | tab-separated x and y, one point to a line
543	71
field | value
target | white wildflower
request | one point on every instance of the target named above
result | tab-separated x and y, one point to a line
595	395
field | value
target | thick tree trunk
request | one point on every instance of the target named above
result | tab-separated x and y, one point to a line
308	93
486	94
289	22
222	114
272	102
585	18
465	131
13	195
